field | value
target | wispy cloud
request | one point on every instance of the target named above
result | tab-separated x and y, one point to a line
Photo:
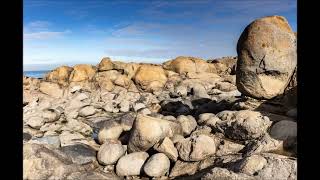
45	35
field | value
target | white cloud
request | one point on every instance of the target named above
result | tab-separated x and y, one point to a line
44	35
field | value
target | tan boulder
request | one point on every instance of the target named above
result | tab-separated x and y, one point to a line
184	65
147	131
150	77
82	72
105	64
51	89
267	57
59	75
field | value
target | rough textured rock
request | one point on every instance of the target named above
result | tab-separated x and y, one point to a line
267	57
51	89
131	164
48	140
196	148
59	75
41	162
105	64
110	152
166	146
150	78
147	131
80	153
245	125
51	115
82	72
188	124
157	165
225	174
183	168
251	165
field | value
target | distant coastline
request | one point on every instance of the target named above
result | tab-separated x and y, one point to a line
35	74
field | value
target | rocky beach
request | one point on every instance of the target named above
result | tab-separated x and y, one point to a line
187	118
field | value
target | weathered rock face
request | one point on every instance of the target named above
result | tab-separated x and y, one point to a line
150	77
267	57
166	146
59	75
51	89
41	162
105	64
147	131
82	72
183	65
131	164
196	148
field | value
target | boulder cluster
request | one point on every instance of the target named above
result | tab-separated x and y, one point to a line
188	118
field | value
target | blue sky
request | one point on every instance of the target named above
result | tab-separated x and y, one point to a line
74	32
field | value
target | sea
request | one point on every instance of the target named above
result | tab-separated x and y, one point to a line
35	74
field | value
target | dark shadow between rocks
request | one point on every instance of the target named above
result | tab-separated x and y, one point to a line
175	108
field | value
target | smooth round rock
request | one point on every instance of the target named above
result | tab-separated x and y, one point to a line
157	165
110	152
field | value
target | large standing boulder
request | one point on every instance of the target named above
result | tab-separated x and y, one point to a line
59	75
267	57
150	77
82	72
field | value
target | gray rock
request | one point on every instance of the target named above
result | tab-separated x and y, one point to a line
283	130
50	140
181	168
80	153
292	113
131	164
157	165
251	165
110	152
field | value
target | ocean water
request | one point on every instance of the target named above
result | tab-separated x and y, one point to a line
35	74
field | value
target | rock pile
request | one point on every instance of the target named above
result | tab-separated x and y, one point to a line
186	118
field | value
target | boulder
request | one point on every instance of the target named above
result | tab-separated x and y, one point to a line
111	130
224	174
188	124
150	78
87	111
166	146
196	148
251	165
181	168
131	164
147	131
267	57
157	165
51	89
284	129
82	72
184	65
51	115
244	125
80	153
35	122
110	152
59	75
105	64
48	140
